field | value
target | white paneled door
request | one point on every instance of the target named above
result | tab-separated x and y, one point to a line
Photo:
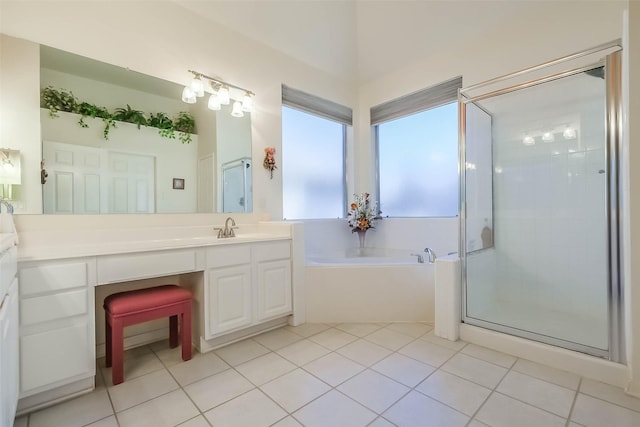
95	180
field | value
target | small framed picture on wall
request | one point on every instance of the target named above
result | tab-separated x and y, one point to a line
178	183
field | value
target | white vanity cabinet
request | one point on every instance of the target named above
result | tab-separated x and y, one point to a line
246	284
56	323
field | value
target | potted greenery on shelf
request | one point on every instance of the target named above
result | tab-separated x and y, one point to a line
61	100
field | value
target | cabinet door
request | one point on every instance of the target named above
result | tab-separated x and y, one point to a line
229	298
274	288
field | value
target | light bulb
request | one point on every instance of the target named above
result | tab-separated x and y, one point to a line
214	102
528	140
237	109
548	137
197	86
223	95
247	103
188	95
569	133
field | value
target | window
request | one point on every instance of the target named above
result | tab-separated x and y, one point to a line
417	153
313	156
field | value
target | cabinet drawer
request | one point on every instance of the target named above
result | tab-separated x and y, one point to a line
56	356
53	277
272	251
228	255
52	307
121	268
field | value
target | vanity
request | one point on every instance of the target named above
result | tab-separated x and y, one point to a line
241	286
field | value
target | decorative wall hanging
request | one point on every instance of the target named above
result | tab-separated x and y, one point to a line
178	183
270	160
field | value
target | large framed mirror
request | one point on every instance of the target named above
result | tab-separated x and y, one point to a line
96	167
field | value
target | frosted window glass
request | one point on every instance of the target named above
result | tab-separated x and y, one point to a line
418	164
312	166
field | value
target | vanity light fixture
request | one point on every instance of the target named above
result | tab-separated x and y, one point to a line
221	94
548	137
528	140
237	109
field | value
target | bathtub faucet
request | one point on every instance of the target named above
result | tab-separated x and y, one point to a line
420	258
431	255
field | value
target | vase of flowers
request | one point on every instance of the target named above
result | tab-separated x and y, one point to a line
362	214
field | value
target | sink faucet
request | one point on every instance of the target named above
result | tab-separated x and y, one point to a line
431	255
227	231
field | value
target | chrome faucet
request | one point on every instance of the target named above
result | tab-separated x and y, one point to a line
431	254
420	258
227	231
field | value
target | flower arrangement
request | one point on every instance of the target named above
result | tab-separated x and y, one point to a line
269	161
362	213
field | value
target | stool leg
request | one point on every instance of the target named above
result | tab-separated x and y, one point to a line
117	348
186	331
173	331
107	334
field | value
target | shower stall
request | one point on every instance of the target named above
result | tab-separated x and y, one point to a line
539	203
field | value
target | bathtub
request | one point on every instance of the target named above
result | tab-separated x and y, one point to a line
370	285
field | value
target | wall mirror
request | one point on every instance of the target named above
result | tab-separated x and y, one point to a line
94	166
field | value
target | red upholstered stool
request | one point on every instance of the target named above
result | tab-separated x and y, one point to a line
132	307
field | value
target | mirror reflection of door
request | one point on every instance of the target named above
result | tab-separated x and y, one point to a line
236	186
89	180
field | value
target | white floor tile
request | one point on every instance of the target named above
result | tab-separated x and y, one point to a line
333	338
480	372
277	338
592	412
373	390
172	356
307	329
454	391
240	352
359	329
336	410
303	352
416	409
80	411
198	421
333	368
287	422
217	389
546	373
135	366
164	411
389	339
141	389
414	330
544	395
250	409
404	369
105	422
609	393
476	423
265	368
364	352
380	422
427	352
488	355
199	367
503	411
295	389
453	345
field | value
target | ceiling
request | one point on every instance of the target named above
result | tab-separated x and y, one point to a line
361	40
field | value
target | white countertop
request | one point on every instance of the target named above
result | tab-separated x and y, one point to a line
7	240
58	244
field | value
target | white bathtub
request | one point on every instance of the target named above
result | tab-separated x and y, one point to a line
371	285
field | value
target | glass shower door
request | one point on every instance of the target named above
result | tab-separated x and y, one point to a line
536	223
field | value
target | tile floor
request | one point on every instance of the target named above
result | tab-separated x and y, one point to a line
348	375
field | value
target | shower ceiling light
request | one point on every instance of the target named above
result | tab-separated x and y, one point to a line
569	133
221	94
548	137
528	140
